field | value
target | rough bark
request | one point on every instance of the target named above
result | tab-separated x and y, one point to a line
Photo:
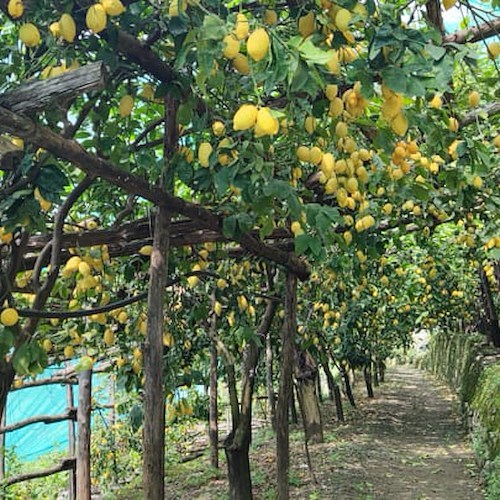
347	387
237	443
6	378
154	404
306	374
71	443
474	33
213	423
271	397
333	388
490	321
288	334
367	371
83	487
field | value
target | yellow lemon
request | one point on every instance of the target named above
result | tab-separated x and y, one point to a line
399	124
231	46
126	105
258	44
474	99
113	7
240	64
96	18
29	35
477	182
15	8
146	250
266	124
296	228
9	316
270	17
67	28
218	128
342	19
204	151
448	4
245	117
109	337
242	27
310	124
69	351
436	102
303	153
307	24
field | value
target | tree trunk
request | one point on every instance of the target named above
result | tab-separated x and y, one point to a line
83	487
338	404
238	441
271	398
333	388
381	371
367	371
294	418
2	446
288	334
375	374
154	398
347	387
238	467
318	387
6	378
213	426
71	443
306	374
491	317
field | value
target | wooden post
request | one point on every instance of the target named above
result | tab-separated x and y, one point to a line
71	443
213	430
285	390
83	455
2	445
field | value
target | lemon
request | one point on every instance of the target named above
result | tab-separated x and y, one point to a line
303	153
72	264
316	155
436	102
168	339
176	6
221	283
15	8
474	99
331	91
193	281
231	46
69	351
448	4
96	18
477	182
86	363
342	19
258	44
296	228
218	128
453	124
204	151
496	141
336	107
493	50
146	250
399	124
307	24
217	308
29	35
266	124
240	64
67	28
347	237
126	105
109	337
341	129
9	316
44	204
47	345
113	7
270	17
387	208
84	269
310	124
245	117
242	27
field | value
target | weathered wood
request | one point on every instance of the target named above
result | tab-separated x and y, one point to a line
65	464
83	486
39	94
288	334
70	414
71	444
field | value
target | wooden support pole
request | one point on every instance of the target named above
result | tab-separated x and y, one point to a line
288	333
2	446
83	452
65	464
71	444
69	414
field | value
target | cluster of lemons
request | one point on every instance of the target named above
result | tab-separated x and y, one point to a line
65	27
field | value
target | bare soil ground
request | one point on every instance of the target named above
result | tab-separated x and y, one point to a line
406	443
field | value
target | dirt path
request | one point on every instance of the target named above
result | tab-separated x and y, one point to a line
407	443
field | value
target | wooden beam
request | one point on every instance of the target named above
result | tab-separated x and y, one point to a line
69	414
83	487
65	464
39	94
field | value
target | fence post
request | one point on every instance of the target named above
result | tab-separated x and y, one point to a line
2	444
71	445
83	487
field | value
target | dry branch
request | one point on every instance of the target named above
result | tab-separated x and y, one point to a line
69	414
39	94
474	33
488	110
65	464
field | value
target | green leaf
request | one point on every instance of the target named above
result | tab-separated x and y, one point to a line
435	51
213	28
21	360
395	79
313	54
51	181
229	225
